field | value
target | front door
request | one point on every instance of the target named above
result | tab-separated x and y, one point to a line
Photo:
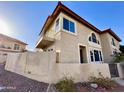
81	55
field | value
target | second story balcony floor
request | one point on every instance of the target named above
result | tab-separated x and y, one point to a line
44	41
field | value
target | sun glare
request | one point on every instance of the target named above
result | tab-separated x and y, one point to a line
4	27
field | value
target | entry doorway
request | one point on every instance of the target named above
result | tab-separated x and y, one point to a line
83	54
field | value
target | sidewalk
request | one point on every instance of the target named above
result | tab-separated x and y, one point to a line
120	81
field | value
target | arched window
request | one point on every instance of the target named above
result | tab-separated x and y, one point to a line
94	38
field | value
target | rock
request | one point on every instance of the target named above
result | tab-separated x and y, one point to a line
93	85
1	88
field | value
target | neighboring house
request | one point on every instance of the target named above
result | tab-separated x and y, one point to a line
9	44
75	40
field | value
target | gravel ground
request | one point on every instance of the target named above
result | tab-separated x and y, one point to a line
84	88
11	82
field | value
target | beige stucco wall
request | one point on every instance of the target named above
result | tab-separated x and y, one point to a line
34	65
107	47
68	43
82	72
41	66
120	67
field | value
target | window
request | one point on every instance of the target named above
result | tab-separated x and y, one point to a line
72	29
57	25
91	56
65	24
113	42
93	38
95	55
16	47
68	25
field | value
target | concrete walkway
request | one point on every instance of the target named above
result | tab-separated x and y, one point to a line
120	81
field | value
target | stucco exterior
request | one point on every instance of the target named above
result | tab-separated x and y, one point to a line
68	43
63	51
41	66
108	48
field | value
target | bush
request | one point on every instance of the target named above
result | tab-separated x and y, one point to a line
118	57
65	85
102	81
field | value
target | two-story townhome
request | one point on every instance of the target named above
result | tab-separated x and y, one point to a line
75	40
72	47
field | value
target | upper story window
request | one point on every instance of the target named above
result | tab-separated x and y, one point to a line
57	25
16	47
113	42
68	25
93	38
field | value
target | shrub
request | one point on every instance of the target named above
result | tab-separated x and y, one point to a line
65	85
102	81
119	57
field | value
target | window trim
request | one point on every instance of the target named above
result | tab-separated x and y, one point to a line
100	61
97	39
57	30
91	55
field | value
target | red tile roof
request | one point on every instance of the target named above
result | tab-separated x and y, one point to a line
111	33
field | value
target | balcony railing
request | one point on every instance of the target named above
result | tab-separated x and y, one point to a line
45	40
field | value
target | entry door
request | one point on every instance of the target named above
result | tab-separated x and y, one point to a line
81	55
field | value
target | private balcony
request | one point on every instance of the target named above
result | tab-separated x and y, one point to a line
44	42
